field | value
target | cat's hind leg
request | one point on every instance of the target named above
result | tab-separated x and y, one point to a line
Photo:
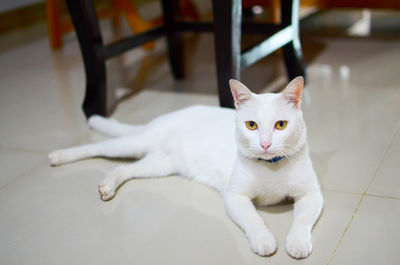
111	127
155	164
132	146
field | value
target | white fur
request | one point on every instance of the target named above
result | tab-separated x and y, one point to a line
213	146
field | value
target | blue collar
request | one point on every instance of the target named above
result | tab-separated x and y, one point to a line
272	160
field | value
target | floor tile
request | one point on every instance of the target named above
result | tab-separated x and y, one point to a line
43	95
15	163
387	181
359	57
349	124
142	110
42	90
338	209
180	221
373	236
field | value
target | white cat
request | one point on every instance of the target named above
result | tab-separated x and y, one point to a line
257	153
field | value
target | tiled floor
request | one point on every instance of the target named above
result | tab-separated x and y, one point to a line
54	215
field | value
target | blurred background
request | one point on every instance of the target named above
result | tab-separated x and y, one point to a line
351	106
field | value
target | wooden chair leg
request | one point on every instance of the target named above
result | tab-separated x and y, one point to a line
135	21
227	35
275	9
292	52
54	23
86	25
174	38
116	20
189	9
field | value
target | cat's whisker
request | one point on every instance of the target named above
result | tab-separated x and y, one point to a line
284	146
289	160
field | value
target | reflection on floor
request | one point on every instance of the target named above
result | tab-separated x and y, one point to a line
54	215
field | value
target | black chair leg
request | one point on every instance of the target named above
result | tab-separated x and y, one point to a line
227	35
292	52
174	38
86	25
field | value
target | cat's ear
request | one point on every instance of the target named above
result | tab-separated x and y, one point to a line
292	92
240	92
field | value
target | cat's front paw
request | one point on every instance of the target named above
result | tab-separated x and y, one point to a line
298	245
263	244
58	157
106	192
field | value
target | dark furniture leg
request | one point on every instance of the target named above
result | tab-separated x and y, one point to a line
174	38
227	34
227	28
292	52
86	25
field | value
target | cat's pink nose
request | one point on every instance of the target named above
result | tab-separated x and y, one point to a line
265	146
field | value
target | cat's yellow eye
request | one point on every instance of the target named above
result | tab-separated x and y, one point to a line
251	125
280	125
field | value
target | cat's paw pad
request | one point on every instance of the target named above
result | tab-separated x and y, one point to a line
58	157
263	244
298	246
106	192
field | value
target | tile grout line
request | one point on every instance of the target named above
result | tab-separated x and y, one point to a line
382	197
360	194
340	191
19	149
41	162
38	152
365	191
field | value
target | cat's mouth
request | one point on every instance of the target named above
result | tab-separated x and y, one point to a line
258	153
267	155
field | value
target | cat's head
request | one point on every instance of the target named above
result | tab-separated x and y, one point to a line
269	125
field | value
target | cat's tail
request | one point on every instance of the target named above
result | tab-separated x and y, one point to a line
111	127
